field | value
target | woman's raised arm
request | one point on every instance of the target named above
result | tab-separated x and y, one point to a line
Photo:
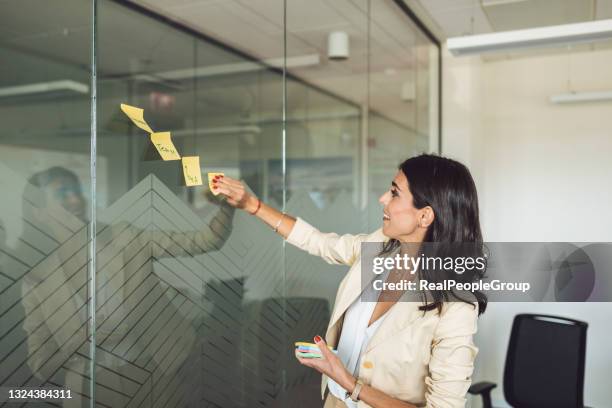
333	248
238	197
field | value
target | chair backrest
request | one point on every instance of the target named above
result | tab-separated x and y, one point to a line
545	362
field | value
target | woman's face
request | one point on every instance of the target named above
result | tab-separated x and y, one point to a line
401	220
67	194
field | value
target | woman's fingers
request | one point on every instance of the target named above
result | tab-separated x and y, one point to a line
323	347
231	181
300	359
236	185
225	183
223	190
234	190
308	362
226	177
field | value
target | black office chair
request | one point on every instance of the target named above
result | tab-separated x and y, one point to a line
544	364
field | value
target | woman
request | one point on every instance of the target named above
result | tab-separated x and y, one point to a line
390	353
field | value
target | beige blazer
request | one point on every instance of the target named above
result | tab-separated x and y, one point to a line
424	359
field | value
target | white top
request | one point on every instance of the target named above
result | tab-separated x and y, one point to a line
353	341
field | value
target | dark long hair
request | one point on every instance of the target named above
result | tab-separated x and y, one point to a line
449	189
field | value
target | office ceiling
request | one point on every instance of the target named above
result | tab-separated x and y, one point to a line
54	38
466	17
54	42
397	49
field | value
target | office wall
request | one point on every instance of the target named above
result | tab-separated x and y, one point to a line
542	172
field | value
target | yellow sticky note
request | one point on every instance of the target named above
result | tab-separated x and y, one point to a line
163	143
211	177
137	116
192	171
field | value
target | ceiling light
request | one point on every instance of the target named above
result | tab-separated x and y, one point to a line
44	87
338	45
219	130
488	3
576	97
299	61
531	38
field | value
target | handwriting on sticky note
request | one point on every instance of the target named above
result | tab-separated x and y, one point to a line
192	171
163	143
211	177
137	116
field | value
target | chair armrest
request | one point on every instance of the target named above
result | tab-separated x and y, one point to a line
481	387
484	390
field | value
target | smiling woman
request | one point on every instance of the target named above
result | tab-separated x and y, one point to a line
439	204
431	199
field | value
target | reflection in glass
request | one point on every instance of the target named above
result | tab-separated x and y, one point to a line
44	115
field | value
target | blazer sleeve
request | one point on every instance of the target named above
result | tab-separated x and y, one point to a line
168	243
39	338
333	248
452	356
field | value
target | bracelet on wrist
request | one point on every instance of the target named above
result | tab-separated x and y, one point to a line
279	221
356	391
354	395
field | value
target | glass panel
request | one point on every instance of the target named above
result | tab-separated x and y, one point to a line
427	96
325	144
239	132
351	119
189	290
196	304
401	96
45	177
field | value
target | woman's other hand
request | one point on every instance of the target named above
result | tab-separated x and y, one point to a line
330	365
235	193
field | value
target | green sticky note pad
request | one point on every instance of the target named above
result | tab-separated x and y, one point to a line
309	355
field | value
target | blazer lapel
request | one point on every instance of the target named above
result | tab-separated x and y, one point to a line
351	287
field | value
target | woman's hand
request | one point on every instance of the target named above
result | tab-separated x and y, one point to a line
330	365
235	192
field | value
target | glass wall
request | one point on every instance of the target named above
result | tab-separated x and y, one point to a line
196	304
45	104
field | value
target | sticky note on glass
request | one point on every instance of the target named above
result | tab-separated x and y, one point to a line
211	177
192	171
137	116
163	143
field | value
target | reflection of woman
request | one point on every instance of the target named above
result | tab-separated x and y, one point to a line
131	339
392	354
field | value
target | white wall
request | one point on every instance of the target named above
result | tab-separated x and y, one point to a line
543	174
